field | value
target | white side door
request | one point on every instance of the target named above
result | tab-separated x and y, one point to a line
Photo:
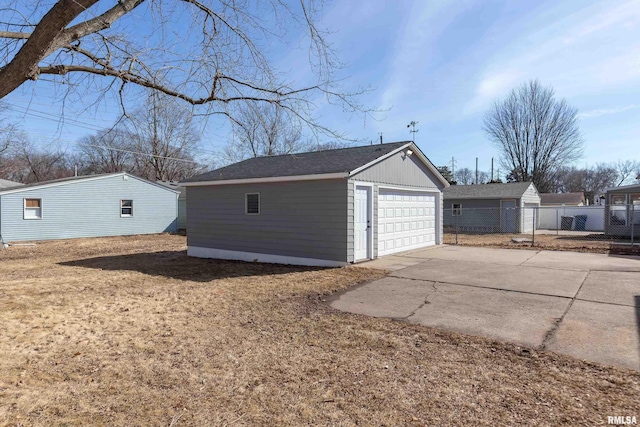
361	223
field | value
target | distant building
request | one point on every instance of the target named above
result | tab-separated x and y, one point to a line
491	208
562	199
86	206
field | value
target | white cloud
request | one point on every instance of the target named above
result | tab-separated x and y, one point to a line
414	46
598	44
606	111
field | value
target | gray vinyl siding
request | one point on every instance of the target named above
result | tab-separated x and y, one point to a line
182	213
306	219
350	215
401	170
89	208
481	215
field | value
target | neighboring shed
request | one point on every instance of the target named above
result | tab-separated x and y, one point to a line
325	208
86	206
182	201
562	199
622	210
491	208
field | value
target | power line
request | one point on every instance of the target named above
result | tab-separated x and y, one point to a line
138	153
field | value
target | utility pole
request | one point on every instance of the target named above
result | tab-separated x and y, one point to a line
453	168
412	124
476	171
492	169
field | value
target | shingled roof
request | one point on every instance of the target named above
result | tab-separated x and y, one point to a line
5	183
511	190
343	160
562	198
20	187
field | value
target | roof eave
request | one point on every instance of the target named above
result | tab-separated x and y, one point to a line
264	180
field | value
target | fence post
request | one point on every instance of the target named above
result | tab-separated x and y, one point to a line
557	221
456	229
533	239
632	222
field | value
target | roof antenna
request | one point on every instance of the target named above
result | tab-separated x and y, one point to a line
380	137
412	124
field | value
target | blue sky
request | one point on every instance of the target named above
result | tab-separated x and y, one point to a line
442	63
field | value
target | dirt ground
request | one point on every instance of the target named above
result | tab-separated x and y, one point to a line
130	331
578	243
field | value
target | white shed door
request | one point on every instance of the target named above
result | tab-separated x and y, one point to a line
406	220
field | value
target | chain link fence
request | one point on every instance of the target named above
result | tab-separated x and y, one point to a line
593	228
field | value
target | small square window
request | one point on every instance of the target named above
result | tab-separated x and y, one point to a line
126	208
618	199
252	204
32	208
456	209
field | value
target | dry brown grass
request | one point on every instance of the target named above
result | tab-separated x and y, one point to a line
130	331
588	243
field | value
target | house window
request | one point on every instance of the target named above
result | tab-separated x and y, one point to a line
32	208
618	209
456	209
252	204
126	208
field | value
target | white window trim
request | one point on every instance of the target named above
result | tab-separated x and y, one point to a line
121	207
454	209
24	208
246	204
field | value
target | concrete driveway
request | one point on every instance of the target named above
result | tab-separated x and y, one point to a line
579	304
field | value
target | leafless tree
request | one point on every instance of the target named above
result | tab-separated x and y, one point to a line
209	53
107	151
464	176
627	171
592	181
535	133
483	177
28	164
164	139
265	130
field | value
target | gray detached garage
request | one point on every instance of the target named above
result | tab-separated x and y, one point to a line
323	208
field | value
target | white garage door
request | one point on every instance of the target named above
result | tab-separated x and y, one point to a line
406	220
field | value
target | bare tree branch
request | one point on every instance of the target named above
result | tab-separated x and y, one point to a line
210	53
535	133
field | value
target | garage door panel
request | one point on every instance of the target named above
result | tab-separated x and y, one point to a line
407	221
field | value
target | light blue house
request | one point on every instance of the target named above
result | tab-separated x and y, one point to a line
87	206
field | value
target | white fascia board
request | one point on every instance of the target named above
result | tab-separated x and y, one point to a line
337	175
416	151
623	187
88	178
56	184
